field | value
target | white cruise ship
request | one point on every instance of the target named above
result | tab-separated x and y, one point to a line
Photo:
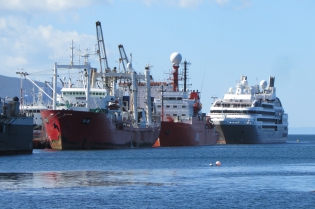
250	114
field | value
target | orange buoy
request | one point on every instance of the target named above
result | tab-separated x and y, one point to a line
217	163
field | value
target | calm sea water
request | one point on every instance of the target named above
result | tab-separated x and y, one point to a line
250	176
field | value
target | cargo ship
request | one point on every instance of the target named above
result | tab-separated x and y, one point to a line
182	123
250	114
16	130
95	112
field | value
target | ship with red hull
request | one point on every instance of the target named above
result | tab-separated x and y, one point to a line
68	129
198	133
182	122
95	112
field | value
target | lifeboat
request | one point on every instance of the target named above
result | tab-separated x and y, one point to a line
197	107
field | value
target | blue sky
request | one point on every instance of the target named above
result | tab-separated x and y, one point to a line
223	39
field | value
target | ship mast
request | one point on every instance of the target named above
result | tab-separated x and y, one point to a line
21	90
162	91
185	75
148	94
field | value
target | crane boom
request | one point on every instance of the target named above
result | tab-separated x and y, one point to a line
101	47
40	89
123	56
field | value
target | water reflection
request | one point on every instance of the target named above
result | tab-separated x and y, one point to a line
11	181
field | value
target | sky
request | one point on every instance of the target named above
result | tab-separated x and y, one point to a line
222	39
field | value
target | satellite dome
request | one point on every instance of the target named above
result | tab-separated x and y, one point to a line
263	84
176	58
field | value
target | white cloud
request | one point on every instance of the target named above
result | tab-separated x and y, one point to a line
243	4
57	42
29	47
235	4
189	3
14	61
222	2
179	3
3	23
29	6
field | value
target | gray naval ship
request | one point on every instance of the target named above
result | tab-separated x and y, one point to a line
250	114
16	130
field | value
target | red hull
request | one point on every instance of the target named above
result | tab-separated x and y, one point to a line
198	133
67	129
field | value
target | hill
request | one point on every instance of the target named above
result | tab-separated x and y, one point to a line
11	86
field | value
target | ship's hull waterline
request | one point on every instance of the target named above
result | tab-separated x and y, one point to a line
182	134
16	135
72	130
249	134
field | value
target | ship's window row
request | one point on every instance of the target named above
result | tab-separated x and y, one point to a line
80	98
168	106
232	105
32	111
267	106
267	120
243	112
257	104
83	93
172	98
175	114
270	127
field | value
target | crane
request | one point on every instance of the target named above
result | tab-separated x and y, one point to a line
123	56
101	47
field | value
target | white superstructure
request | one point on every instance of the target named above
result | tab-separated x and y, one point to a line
250	114
33	109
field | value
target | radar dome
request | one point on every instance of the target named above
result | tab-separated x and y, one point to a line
263	84
176	58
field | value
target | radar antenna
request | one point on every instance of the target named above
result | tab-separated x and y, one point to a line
214	98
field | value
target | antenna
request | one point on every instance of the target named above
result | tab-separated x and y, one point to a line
214	98
72	47
21	90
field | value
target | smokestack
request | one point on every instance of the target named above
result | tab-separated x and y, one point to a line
271	81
